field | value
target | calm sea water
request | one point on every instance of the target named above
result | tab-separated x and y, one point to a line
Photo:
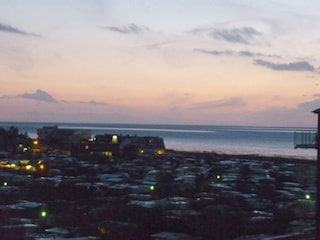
271	141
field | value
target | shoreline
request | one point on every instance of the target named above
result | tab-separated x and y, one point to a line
225	156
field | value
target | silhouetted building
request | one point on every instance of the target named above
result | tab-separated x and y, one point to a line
80	142
53	138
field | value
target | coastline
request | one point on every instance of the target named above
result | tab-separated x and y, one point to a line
262	140
227	156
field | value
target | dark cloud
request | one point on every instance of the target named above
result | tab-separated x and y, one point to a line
243	35
232	102
129	29
293	66
215	52
38	95
236	53
246	53
9	29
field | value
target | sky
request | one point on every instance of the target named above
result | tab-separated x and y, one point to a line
213	62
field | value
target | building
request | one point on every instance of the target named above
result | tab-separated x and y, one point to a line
52	138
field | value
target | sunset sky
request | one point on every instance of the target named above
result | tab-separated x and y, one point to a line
239	62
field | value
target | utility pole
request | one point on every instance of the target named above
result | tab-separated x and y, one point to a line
317	111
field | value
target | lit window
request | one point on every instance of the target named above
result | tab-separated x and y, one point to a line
114	139
108	154
160	152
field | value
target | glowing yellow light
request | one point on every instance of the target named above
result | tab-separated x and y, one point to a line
5	184
28	167
151	187
103	231
218	176
86	147
307	196
43	213
24	161
108	154
35	142
41	167
114	139
160	152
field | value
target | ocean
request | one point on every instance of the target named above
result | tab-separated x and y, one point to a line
264	141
